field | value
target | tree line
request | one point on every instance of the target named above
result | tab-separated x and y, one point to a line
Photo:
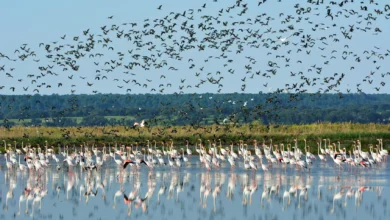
194	109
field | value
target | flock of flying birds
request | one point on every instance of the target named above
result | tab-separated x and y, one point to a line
157	44
309	39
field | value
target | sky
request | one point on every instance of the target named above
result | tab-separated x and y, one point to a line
33	22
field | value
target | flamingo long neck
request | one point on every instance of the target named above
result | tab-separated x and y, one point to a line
288	152
318	144
381	143
326	147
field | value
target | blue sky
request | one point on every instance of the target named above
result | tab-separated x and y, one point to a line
33	22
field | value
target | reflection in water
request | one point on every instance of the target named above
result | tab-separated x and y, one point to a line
165	192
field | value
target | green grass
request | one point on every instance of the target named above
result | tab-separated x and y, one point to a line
19	122
78	119
120	117
346	133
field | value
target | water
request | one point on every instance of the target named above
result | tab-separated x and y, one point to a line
192	192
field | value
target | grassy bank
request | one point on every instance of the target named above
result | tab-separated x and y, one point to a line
346	133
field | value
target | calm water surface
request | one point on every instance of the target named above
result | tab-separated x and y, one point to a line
191	192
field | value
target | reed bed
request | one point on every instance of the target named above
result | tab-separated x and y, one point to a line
346	133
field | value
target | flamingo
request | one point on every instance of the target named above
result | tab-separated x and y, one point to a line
263	166
350	160
147	163
127	162
302	164
196	148
231	161
320	155
215	159
246	164
141	125
257	150
308	160
185	159
170	162
160	159
222	150
5	147
22	167
117	161
378	156
234	155
178	162
327	150
339	160
251	163
382	151
8	163
189	152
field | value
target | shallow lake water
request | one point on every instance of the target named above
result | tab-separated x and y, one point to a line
192	192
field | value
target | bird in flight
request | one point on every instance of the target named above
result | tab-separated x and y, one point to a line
141	125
